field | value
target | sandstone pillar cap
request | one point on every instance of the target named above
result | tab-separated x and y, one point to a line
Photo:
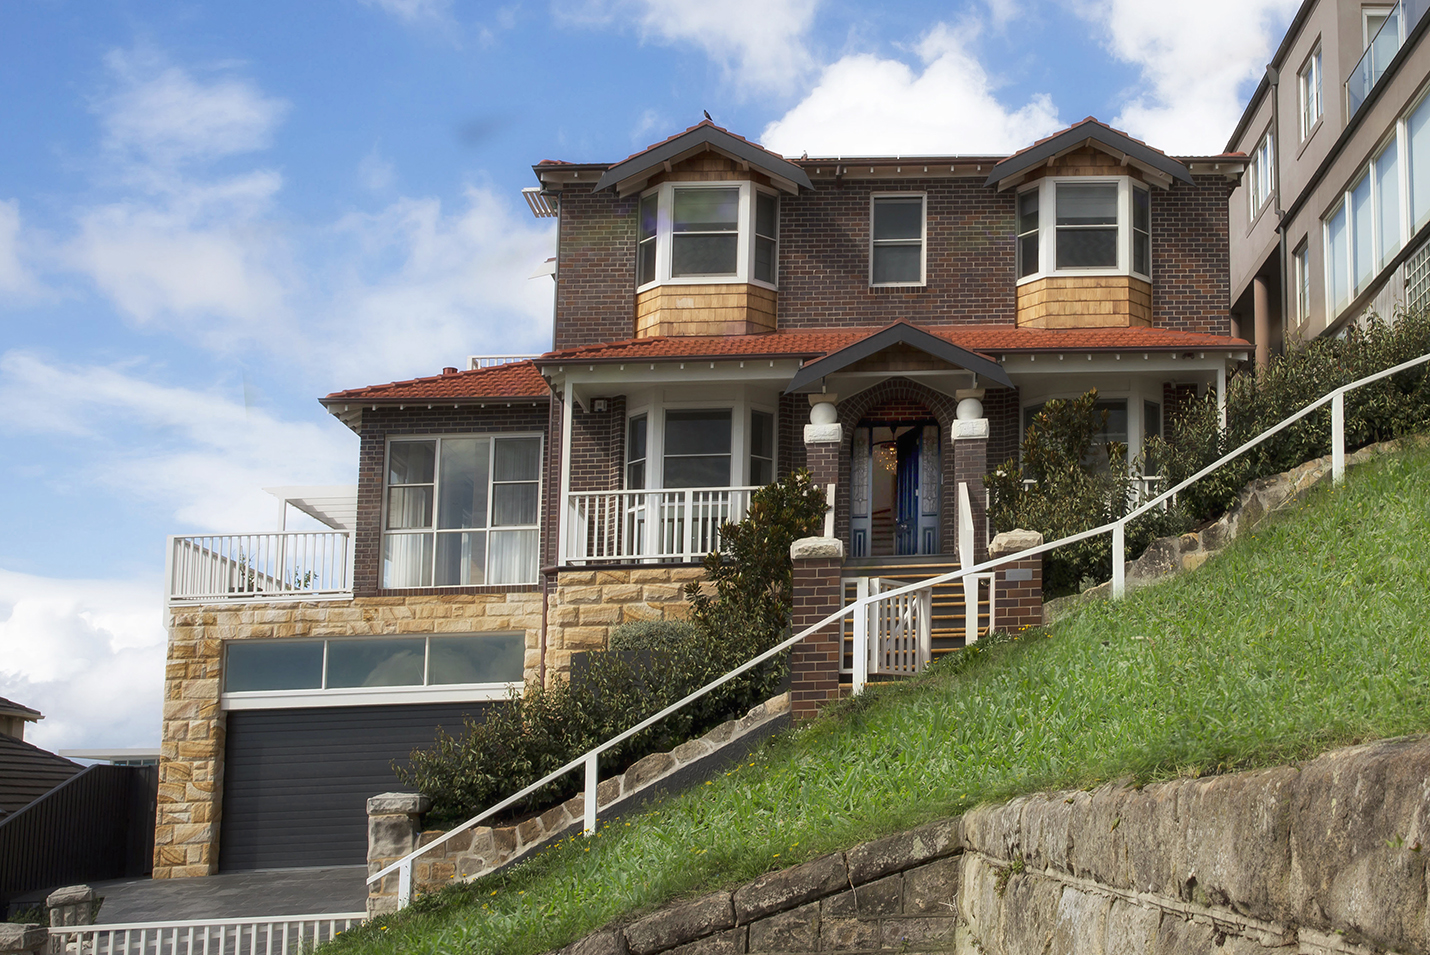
388	804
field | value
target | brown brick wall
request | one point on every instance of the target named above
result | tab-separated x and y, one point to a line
377	425
1190	259
595	268
824	256
1020	602
1001	408
814	661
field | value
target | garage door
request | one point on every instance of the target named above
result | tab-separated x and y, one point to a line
296	781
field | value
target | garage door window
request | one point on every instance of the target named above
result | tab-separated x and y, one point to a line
396	669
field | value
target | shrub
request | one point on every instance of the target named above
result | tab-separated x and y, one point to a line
1071	491
1256	400
649	666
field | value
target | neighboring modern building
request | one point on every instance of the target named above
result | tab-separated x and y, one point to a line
27	772
1330	220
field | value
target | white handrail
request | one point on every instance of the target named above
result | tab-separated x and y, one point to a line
404	865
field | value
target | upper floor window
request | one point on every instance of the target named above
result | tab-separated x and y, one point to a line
1308	85
1100	226
461	511
1301	267
697	233
1363	230
896	239
1261	174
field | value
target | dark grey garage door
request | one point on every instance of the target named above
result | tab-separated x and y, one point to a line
296	781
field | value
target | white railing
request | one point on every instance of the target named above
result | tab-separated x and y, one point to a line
859	609
680	524
239	936
475	362
283	565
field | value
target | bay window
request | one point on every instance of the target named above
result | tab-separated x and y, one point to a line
707	233
697	448
714	447
1098	227
461	511
896	239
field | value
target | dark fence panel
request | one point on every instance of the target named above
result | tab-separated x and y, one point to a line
98	824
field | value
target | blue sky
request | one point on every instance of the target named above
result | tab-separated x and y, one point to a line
211	214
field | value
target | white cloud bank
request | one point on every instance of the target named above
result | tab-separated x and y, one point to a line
89	654
867	105
762	45
199	456
1197	61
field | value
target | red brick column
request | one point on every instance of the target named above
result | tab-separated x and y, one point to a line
814	661
1019	601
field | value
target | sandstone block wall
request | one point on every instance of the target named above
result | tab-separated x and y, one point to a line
1326	857
587	604
191	752
393	833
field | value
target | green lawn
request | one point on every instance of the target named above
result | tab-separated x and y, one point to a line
1306	635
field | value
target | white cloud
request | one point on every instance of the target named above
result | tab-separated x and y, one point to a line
761	44
15	279
864	104
1197	61
415	10
199	455
159	115
375	173
427	286
89	654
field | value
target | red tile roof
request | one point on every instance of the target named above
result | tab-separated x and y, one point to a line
990	340
518	379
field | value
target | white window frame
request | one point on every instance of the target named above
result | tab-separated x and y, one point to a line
923	238
434	531
1309	86
745	231
1261	175
1366	12
1301	276
740	435
1399	140
1048	227
324	695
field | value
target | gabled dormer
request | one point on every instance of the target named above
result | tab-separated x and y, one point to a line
707	259
1084	226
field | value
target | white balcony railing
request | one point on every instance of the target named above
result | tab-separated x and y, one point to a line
284	565
652	525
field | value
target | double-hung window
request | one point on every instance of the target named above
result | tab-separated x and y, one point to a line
1084	226
1301	267
896	245
700	447
461	511
707	233
1308	85
1261	174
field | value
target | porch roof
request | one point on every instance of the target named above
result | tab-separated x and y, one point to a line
987	342
517	380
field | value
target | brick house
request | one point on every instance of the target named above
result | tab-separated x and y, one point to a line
723	315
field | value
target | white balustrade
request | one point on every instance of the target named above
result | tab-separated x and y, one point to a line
293	565
681	524
280	935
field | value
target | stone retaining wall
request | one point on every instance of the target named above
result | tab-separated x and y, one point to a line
394	830
1256	502
191	751
587	604
1327	857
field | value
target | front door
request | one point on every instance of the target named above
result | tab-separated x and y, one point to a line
895	487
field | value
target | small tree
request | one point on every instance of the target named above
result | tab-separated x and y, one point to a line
1071	489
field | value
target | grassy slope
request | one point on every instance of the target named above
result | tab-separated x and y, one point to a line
1309	634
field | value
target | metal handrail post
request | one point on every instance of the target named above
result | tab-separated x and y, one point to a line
1119	560
589	796
1338	438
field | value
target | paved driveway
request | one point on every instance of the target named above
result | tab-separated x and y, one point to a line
234	895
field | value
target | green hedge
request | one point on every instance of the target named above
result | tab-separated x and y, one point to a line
649	666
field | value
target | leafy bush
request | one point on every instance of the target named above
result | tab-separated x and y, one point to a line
1393	407
649	666
1071	491
653	634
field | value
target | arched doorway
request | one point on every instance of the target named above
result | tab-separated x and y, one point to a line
895	485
